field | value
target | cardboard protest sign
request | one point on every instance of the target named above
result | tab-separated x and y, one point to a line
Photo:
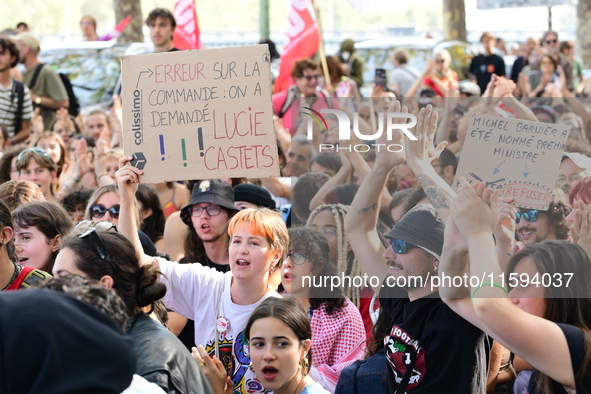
518	157
200	114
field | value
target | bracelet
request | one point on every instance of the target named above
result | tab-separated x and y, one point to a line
491	284
76	180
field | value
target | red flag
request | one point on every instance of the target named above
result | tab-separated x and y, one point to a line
186	34
303	39
117	31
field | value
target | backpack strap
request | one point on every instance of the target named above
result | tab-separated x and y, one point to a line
36	75
291	96
19	88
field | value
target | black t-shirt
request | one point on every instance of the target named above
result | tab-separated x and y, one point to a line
484	66
576	346
451	354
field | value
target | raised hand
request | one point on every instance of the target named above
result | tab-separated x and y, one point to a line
474	209
128	178
423	150
384	157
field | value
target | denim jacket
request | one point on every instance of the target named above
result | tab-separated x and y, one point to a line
370	376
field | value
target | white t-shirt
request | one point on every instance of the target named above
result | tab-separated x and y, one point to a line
194	292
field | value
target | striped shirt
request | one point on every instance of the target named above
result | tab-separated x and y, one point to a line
9	105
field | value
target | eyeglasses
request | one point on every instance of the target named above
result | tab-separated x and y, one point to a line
212	210
40	151
399	246
310	77
103	225
94	238
530	216
297	258
98	211
551	41
571	177
329	233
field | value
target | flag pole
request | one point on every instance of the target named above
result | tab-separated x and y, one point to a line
321	47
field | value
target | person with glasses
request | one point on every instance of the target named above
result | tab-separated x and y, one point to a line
573	168
104	205
429	348
219	303
440	77
286	104
95	250
338	333
88	27
550	45
207	215
484	65
533	226
37	166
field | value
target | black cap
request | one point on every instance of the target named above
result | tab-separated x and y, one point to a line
254	194
212	191
421	227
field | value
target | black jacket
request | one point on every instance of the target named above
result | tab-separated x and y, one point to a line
163	359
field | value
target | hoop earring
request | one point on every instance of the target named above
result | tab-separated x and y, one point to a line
250	367
304	364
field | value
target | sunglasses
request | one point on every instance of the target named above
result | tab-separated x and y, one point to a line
530	216
297	258
310	77
551	41
94	238
399	246
212	210
571	177
98	211
40	151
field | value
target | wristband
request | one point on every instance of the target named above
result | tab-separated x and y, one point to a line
490	284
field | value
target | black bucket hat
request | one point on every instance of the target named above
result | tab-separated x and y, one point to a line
212	191
254	194
421	227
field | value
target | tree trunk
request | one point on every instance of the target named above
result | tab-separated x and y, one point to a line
454	20
584	32
133	31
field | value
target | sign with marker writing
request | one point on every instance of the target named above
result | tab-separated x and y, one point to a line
518	157
200	114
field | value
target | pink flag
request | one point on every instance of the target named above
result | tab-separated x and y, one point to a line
186	34
118	29
303	39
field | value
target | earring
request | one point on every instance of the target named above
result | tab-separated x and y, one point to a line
250	367
304	364
436	268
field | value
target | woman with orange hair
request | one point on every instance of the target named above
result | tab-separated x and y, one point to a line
220	303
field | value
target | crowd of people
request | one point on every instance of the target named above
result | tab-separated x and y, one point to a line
220	285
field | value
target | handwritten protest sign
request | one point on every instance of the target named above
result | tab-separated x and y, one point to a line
199	114
518	157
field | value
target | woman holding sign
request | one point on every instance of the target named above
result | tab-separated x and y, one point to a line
220	303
